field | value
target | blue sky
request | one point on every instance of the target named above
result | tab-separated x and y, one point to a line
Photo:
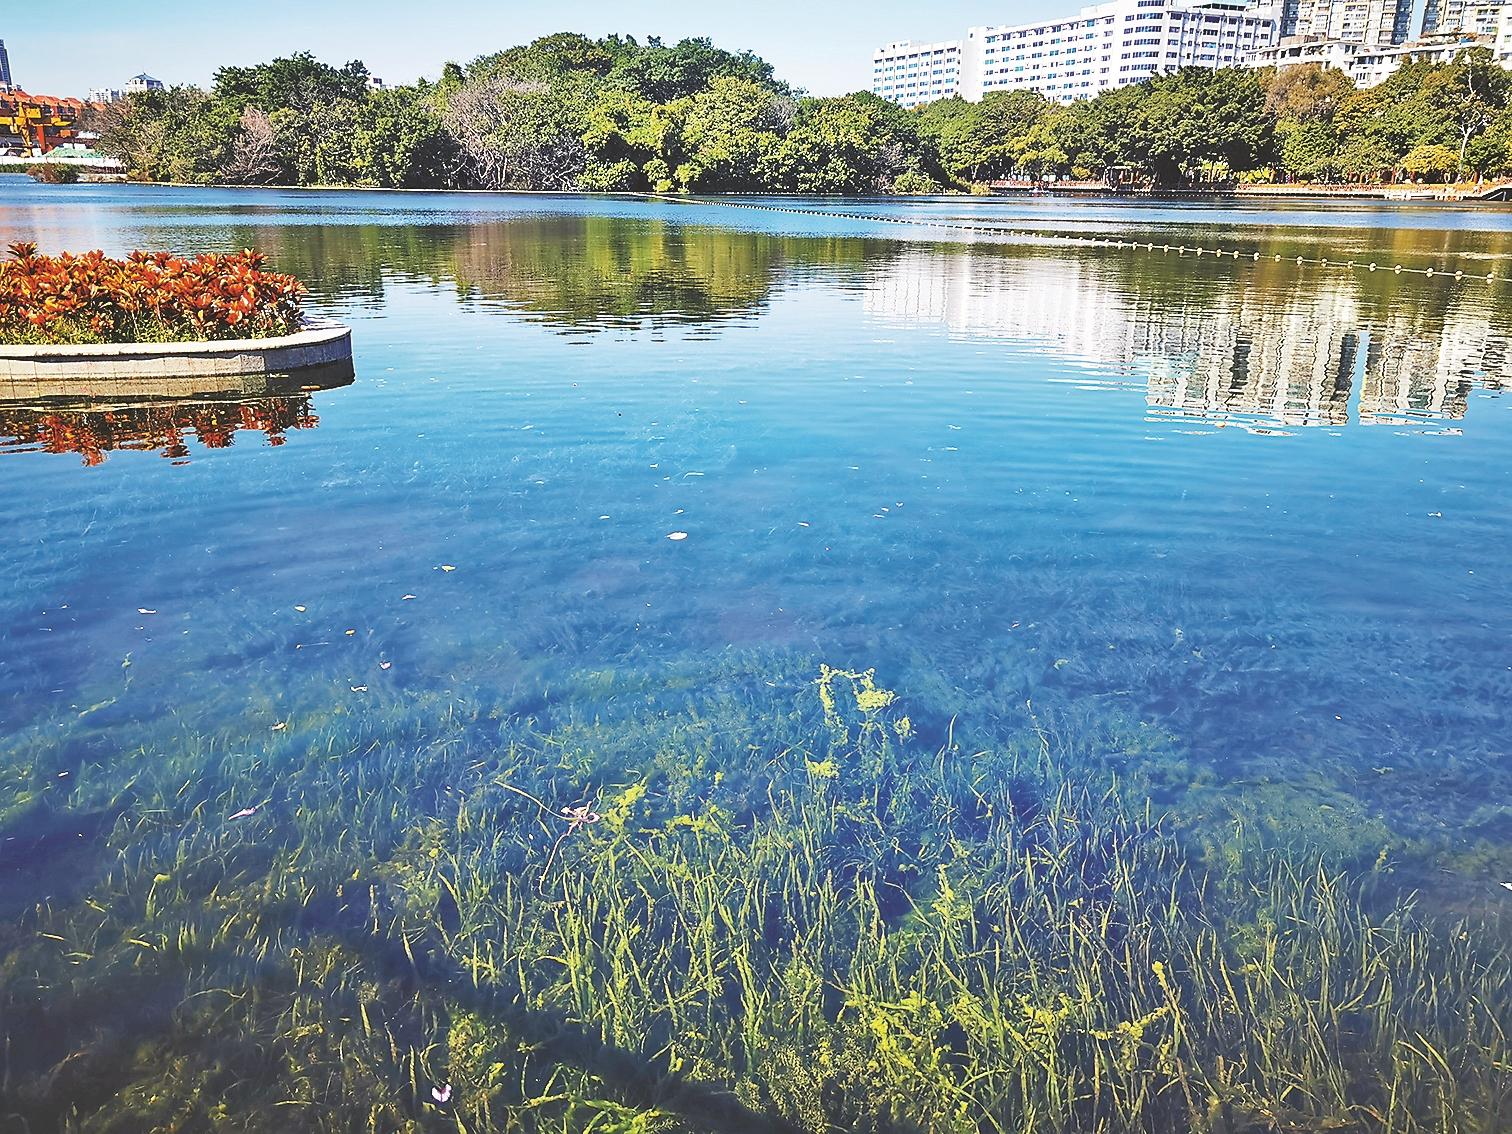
826	47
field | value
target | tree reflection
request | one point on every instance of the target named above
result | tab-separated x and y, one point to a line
141	420
569	272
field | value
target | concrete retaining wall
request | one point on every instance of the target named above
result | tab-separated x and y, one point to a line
98	393
24	367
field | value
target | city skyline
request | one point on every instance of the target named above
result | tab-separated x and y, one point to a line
180	42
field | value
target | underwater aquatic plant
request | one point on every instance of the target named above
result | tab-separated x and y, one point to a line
576	818
955	938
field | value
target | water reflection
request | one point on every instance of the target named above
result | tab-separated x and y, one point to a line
1260	345
164	416
574	274
1264	345
1236	344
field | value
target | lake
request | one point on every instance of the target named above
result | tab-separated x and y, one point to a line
721	668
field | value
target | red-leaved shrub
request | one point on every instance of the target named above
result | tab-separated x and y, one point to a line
147	297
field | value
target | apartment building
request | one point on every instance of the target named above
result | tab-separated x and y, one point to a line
911	74
1449	28
1480	17
1299	49
1375	23
1103	46
1111	45
1372	67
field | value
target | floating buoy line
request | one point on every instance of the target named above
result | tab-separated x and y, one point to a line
1067	239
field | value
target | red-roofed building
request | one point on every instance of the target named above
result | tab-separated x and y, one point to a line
32	125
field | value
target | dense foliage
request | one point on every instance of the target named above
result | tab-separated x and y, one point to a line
570	112
148	297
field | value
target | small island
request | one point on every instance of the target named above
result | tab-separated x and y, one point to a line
91	317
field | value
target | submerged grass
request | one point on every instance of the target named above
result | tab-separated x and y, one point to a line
789	915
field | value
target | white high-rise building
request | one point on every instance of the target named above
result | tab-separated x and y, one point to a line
1451	15
1375	23
912	74
1111	45
1475	17
1450	27
1373	66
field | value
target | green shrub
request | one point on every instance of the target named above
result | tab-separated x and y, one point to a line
52	173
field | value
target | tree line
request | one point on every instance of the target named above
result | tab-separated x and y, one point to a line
568	112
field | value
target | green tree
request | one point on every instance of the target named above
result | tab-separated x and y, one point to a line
1380	125
1470	92
1437	162
553	56
517	134
1308	92
1106	129
943	125
315	146
1305	100
297	82
727	133
1367	157
1196	117
662	73
981	141
399	141
999	120
1047	147
622	132
179	134
1490	153
1308	150
856	144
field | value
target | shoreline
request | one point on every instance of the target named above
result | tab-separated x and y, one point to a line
1495	195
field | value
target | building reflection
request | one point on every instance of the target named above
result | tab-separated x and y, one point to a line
166	417
1249	345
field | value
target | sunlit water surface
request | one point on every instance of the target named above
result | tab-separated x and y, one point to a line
1252	515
